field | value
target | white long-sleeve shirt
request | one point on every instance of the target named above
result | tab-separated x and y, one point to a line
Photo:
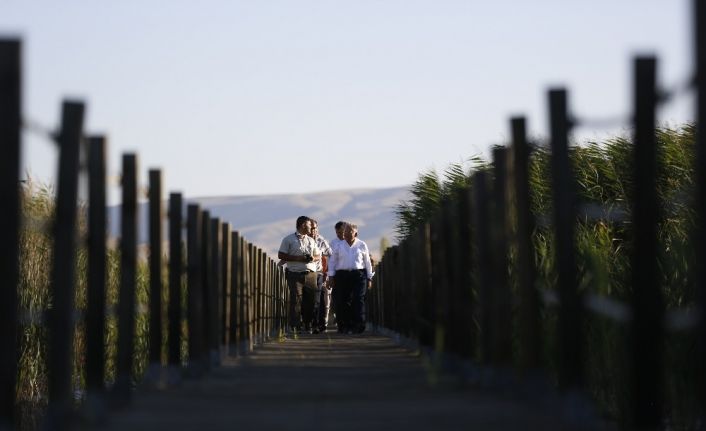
350	257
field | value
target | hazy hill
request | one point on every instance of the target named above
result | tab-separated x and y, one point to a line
266	219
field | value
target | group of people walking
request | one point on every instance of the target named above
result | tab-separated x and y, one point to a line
322	275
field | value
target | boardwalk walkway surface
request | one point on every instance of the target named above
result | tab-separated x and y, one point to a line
322	382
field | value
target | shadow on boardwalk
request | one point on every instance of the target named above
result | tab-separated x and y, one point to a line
321	382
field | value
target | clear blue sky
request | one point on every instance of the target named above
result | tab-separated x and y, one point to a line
277	96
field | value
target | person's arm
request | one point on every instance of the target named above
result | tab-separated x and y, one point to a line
332	263
368	266
290	257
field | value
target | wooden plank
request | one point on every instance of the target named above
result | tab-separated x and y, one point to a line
61	324
648	305
128	281
366	373
10	123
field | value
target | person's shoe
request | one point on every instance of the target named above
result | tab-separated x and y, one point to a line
360	329
315	331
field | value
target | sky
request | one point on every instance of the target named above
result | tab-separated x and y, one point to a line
238	97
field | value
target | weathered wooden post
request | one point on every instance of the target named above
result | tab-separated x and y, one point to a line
453	271
502	297
485	275
195	289
648	307
61	322
10	124
226	291
214	318
174	312
426	328
206	280
570	310
465	301
529	327
95	313
699	14
441	278
236	277
250	298
156	214
128	280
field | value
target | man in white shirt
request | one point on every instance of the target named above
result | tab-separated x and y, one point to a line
339	227
350	274
301	254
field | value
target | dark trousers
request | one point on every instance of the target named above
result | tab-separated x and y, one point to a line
349	299
324	301
303	300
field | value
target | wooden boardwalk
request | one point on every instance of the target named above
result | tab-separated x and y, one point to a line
326	381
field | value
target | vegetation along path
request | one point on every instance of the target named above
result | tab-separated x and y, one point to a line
326	381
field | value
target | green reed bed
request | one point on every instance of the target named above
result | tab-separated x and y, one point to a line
603	172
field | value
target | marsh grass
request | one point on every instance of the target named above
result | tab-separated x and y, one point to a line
35	299
603	173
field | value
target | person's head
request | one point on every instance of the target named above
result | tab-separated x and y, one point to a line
350	232
314	228
304	225
340	227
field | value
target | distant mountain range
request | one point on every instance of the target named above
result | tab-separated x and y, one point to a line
265	219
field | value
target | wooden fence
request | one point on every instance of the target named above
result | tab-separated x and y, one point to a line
446	286
235	292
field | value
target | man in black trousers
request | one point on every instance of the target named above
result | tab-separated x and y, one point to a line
350	273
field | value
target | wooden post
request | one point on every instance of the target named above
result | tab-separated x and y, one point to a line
214	294
467	334
61	323
502	296
485	275
243	297
250	297
440	280
529	326
95	316
699	14
426	328
206	277
235	270
10	122
155	263
648	307
226	286
195	288
570	310
258	296
176	270
128	280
